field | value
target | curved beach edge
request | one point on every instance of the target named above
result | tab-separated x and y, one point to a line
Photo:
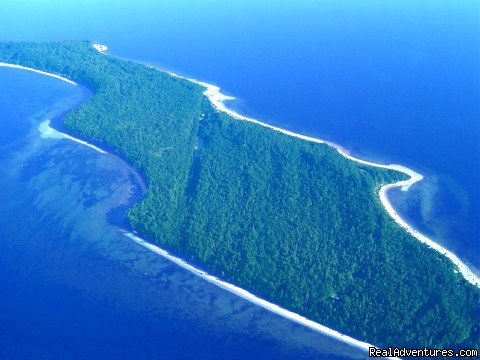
48	132
14	66
212	92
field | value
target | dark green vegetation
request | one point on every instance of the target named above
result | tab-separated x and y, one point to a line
290	220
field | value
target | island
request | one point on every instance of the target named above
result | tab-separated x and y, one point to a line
290	220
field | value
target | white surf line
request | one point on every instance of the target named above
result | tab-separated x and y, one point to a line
14	66
47	132
251	297
217	99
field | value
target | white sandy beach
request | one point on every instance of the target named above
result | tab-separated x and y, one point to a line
251	297
217	99
37	71
47	132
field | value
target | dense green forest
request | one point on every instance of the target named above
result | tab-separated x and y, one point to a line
290	220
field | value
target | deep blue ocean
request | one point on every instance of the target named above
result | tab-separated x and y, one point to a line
394	82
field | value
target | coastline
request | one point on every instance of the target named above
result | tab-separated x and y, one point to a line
244	294
14	66
47	132
217	98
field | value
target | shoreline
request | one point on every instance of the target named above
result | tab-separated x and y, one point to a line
47	132
14	66
217	99
244	294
